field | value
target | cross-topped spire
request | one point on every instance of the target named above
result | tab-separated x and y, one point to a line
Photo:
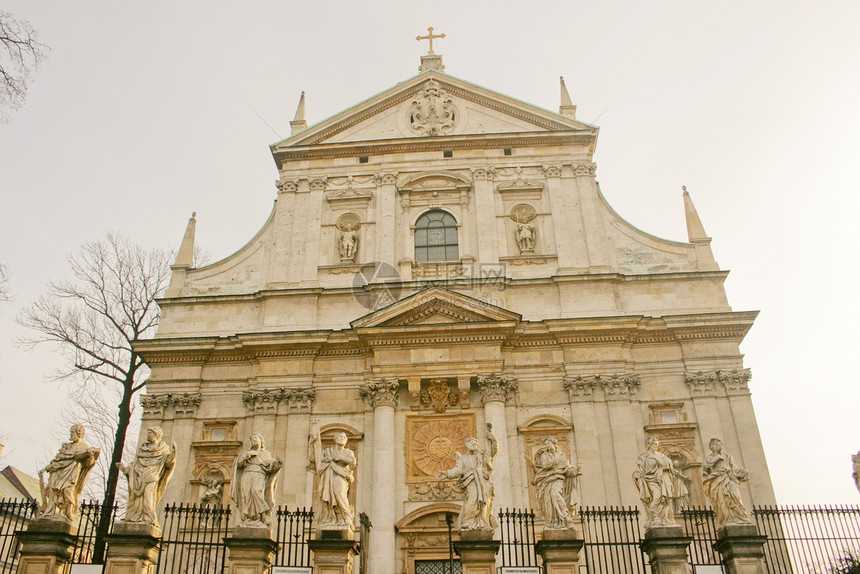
430	36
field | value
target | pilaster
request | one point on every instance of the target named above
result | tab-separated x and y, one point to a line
567	221
485	214
313	228
601	258
588	453
496	391
386	199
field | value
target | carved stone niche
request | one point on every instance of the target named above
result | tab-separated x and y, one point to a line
353	442
533	433
435	189
668	422
424	534
214	456
432	444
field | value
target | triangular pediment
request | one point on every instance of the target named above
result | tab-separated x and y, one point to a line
428	105
435	306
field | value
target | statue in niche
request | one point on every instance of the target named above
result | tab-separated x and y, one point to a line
255	477
348	245
474	474
721	480
655	479
148	476
681	495
213	493
334	466
526	237
68	473
855	458
555	481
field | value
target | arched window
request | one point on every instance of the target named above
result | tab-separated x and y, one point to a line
436	237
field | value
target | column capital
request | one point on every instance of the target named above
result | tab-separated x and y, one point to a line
318	183
551	170
615	387
385	177
497	388
267	400
733	381
585	169
380	392
487	173
184	405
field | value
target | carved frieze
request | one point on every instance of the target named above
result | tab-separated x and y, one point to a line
432	112
380	392
497	388
434	490
267	400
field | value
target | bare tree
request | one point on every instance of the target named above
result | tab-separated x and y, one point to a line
20	56
5	289
94	320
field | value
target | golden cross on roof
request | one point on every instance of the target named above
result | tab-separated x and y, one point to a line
430	37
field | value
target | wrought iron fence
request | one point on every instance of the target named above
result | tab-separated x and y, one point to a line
89	513
518	537
699	524
193	539
14	515
292	531
612	537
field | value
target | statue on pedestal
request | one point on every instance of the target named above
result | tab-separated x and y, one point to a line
655	479
334	468
68	473
348	245
474	474
526	237
855	458
148	476
555	483
721	479
255	477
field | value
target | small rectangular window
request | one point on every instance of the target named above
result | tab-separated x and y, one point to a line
362	159
448	153
218	434
507	151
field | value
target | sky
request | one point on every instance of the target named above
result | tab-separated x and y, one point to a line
147	111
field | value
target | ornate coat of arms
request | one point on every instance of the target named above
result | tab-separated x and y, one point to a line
432	112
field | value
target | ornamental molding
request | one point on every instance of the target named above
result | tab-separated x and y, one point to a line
184	405
380	392
733	382
497	388
585	169
615	387
385	178
267	400
344	190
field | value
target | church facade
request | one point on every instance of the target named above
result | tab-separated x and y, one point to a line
439	258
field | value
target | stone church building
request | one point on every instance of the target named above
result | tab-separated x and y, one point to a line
439	257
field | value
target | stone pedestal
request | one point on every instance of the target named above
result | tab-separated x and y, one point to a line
132	548
334	552
742	548
560	551
46	546
666	547
477	551
251	550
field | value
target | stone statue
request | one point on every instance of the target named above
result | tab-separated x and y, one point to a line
654	477
721	481
68	473
255	476
555	483
334	469
681	496
212	495
855	458
348	245
526	237
148	476
474	474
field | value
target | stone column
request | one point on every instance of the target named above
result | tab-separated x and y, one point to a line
337	556
559	550
666	547
46	546
386	207
251	550
742	548
132	548
381	395
496	390
477	552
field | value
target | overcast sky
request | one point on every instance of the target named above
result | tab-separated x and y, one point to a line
147	111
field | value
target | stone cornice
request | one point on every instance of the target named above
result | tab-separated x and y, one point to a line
380	392
497	388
